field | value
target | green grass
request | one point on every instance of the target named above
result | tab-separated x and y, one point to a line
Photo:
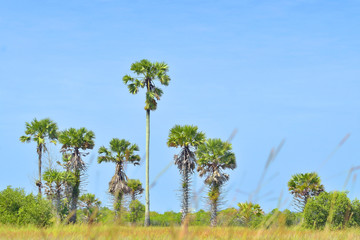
125	232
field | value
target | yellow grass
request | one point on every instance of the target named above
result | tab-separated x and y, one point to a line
123	232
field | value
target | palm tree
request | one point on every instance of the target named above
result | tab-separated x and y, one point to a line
187	138
91	206
73	140
147	72
39	131
120	153
304	186
215	156
55	182
135	188
248	210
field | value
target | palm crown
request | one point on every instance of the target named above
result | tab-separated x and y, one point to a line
214	156
135	187
120	152
303	186
147	72
39	130
73	140
77	139
188	138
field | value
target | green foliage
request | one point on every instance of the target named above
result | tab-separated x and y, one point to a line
355	213
214	156
119	151
332	209
304	186
147	73
227	217
135	188
90	207
136	211
276	219
187	135
166	219
248	211
20	209
200	218
77	139
38	131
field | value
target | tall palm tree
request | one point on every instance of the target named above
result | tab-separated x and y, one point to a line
215	156
39	131
304	186
73	141
187	138
135	188
120	152
147	72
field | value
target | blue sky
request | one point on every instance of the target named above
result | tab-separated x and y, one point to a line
273	70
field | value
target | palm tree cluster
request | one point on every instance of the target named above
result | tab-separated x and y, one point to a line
211	157
62	187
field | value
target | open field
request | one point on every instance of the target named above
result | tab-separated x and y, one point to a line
123	232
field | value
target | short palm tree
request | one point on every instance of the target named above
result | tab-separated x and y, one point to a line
304	186
147	72
135	188
55	182
74	144
247	211
187	138
39	131
215	156
120	152
91	206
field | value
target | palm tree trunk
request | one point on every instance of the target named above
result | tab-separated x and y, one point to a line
58	201
118	205
75	191
147	192
186	190
214	205
74	197
38	183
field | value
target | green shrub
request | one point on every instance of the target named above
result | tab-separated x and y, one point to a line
136	211
200	218
166	219
332	209
20	209
355	213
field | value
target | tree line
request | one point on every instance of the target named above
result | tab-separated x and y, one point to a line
209	157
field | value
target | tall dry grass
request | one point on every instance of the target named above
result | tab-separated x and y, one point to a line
126	232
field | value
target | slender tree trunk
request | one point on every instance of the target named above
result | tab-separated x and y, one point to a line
147	192
186	191
38	183
214	205
58	201
75	191
118	205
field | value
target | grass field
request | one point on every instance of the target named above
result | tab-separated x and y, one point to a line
122	232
